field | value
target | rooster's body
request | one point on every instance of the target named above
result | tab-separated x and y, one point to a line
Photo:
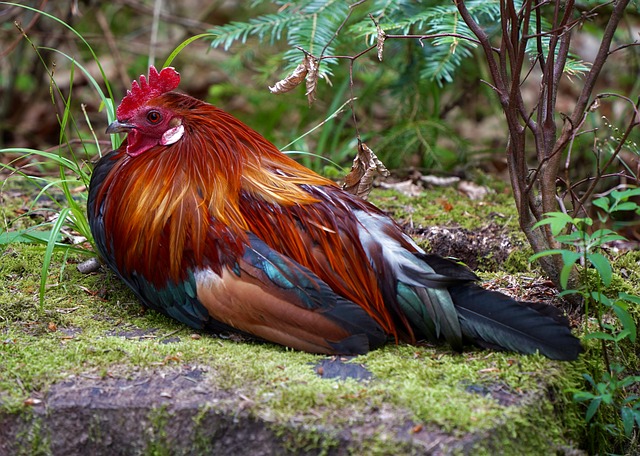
210	224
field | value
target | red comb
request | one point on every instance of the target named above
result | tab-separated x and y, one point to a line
159	83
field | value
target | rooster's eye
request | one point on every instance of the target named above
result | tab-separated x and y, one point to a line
154	117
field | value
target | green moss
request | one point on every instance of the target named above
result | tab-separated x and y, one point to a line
628	264
157	444
518	262
445	206
312	440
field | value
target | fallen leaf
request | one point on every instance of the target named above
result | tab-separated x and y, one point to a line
438	181
406	187
32	401
446	205
380	41
473	191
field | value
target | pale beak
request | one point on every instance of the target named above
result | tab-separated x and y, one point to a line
119	127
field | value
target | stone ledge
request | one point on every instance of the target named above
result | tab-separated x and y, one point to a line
181	411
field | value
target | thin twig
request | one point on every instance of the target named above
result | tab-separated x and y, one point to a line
624	46
483	39
153	42
635	121
113	48
9	48
337	32
436	35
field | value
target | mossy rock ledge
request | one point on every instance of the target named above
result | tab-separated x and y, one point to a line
181	411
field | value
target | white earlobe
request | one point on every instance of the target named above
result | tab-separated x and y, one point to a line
172	135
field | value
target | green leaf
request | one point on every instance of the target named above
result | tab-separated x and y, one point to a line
55	231
183	45
627	416
568	292
544	253
557	221
589	378
626	206
572	238
569	259
631	298
27	236
601	298
605	235
581	396
634	397
602	265
599	335
592	409
622	195
628	322
622	335
602	203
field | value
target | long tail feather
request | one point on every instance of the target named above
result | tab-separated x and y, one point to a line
487	318
493	319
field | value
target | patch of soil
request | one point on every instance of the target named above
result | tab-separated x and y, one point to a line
474	248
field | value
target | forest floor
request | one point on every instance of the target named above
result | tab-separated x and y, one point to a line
88	369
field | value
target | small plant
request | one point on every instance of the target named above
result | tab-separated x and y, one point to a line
71	158
67	230
612	385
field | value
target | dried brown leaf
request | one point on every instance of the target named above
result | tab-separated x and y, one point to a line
312	77
473	191
293	80
405	187
380	43
366	166
438	181
32	401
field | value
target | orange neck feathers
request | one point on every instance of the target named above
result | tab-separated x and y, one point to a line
182	201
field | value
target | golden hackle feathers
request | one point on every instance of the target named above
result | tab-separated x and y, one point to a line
183	189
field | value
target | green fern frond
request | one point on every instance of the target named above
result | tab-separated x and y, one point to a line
268	25
311	25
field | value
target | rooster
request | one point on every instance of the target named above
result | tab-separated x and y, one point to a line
209	223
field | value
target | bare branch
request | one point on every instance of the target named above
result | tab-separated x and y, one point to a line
633	122
599	61
624	46
345	20
486	45
436	35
